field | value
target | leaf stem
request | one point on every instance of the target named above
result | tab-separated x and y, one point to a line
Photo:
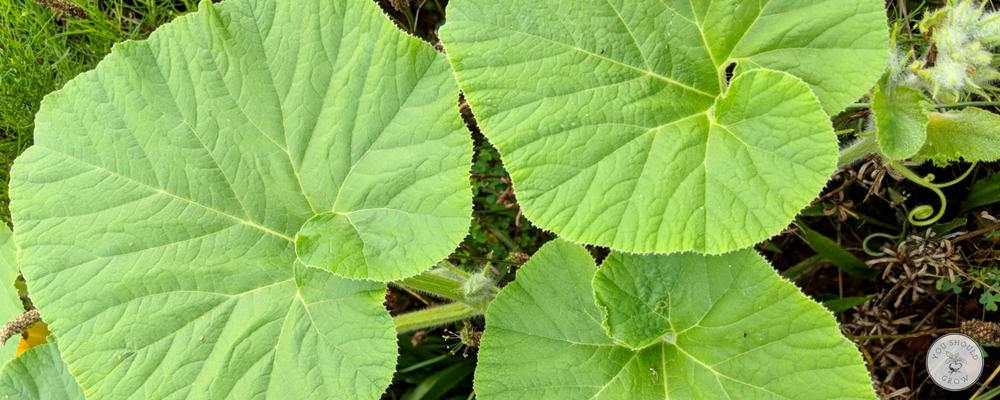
434	316
962	104
482	259
447	282
455	269
969	104
857	150
443	283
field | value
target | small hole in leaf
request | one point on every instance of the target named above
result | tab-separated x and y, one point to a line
729	72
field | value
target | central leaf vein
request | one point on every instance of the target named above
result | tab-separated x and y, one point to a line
174	196
616	62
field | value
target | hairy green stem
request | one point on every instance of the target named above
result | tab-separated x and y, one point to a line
470	293
455	269
435	284
481	259
857	150
961	104
434	316
964	104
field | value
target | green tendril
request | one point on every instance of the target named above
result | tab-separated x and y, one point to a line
924	214
864	243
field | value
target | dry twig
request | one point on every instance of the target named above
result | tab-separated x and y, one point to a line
19	325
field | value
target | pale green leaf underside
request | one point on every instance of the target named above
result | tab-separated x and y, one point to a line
738	331
39	374
901	118
10	301
603	110
972	135
156	212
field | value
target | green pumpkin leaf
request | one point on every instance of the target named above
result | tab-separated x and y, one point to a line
972	135
158	209
39	374
618	126
684	326
901	119
10	302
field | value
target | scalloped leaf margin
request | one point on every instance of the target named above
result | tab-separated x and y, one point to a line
619	126
157	212
683	326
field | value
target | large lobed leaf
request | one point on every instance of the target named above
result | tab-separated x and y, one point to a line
158	210
618	126
685	326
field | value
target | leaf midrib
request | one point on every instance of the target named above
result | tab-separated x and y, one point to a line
613	61
161	191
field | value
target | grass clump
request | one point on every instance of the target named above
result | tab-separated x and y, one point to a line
45	43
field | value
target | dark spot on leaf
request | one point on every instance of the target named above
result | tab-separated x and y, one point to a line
729	72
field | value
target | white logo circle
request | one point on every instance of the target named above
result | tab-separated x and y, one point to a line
954	362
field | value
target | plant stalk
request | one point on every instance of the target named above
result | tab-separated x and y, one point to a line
962	104
857	150
435	316
969	104
434	284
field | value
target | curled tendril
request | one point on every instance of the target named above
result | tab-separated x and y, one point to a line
869	251
924	214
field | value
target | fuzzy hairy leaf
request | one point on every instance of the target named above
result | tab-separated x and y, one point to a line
39	374
158	209
685	326
901	119
618	126
972	135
